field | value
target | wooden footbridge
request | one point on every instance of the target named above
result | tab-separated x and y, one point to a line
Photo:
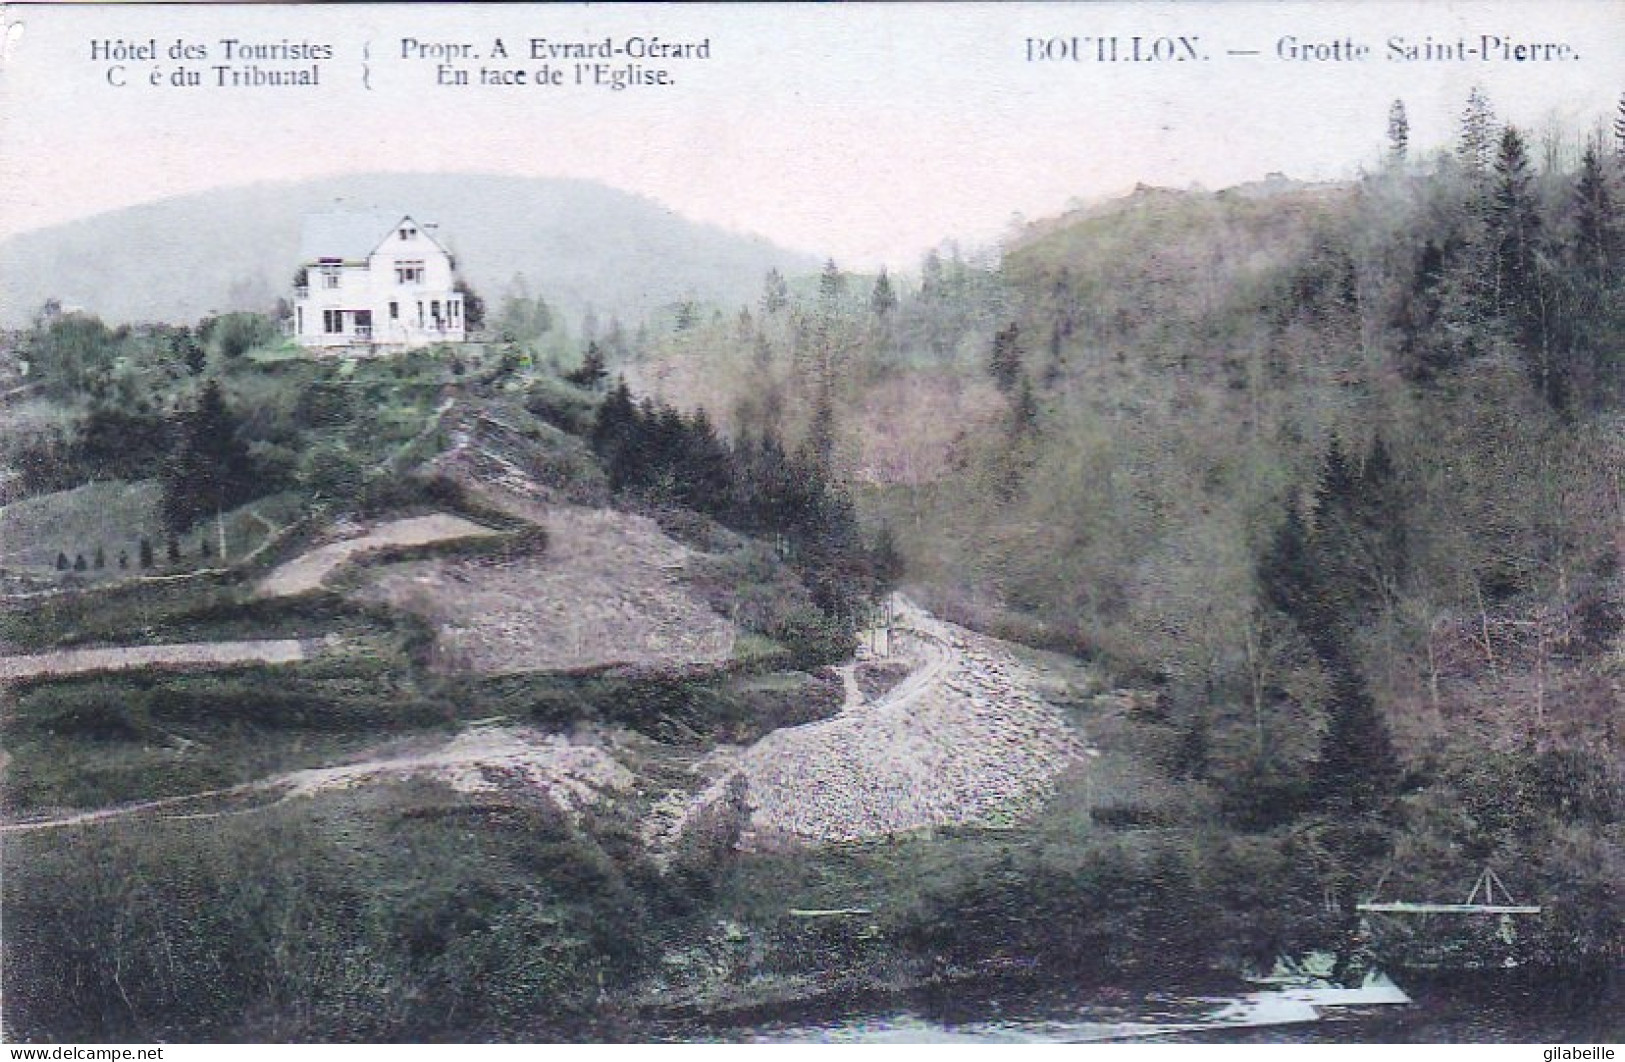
1449	935
1496	899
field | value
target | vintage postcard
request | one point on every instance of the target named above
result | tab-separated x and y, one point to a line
930	523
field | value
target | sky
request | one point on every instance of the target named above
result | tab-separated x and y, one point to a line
865	133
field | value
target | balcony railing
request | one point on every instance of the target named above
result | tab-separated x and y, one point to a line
301	291
363	331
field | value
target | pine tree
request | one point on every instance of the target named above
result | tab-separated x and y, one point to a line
592	371
1515	219
144	552
1518	288
883	300
885	561
1383	502
615	416
79	562
99	561
1010	463
831	285
1335	489
1359	543
819	446
667	445
473	306
1023	412
209	470
1304	575
1424	354
1597	226
1004	363
705	474
766	485
184	344
1285	572
1619	131
1357	767
1399	132
123	559
775	293
173	551
62	564
618	438
1476	148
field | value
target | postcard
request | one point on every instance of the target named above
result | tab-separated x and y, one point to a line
928	523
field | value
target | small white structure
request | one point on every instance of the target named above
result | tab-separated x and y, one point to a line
374	280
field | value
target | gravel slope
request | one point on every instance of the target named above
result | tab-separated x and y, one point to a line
963	740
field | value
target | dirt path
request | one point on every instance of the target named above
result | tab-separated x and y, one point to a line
963	740
305	572
187	654
479	759
849	683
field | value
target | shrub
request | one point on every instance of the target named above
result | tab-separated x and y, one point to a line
331	473
814	638
238	333
562	405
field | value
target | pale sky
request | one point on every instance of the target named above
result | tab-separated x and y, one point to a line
866	133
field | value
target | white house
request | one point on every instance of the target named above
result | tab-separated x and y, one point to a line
372	279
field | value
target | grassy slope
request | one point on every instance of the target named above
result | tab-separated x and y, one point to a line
111	515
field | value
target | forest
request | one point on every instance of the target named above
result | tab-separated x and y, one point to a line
1335	470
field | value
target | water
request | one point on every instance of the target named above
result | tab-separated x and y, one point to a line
1521	1007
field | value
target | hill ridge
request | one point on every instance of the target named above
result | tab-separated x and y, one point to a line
576	242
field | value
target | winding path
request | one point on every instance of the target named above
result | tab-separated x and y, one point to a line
123	658
569	773
307	571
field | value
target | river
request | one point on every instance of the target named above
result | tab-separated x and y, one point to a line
1519	1007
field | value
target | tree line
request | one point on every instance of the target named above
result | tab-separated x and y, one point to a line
1520	262
657	453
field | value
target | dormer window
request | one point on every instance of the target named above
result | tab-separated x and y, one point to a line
409	272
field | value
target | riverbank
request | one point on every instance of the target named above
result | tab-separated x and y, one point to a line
1543	1006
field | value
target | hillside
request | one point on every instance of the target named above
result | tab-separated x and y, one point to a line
514	688
577	244
1330	472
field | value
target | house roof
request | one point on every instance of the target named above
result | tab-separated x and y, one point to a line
351	235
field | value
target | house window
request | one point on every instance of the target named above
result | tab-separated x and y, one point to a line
420	314
409	272
455	309
434	312
394	311
408	232
333	322
299	320
330	276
